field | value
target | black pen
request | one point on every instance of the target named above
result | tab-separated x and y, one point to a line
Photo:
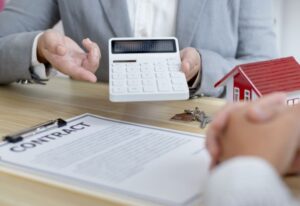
19	136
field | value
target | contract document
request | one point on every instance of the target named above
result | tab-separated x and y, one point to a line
160	166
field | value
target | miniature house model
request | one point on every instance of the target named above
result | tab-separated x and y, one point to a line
250	81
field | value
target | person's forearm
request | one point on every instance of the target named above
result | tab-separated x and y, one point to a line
15	57
18	29
246	181
256	41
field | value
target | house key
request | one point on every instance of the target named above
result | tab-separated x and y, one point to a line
190	115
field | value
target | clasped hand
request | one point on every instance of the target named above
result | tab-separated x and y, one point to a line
267	129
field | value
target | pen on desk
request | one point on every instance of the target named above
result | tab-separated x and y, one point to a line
19	136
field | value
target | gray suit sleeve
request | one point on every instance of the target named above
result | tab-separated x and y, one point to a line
20	22
257	41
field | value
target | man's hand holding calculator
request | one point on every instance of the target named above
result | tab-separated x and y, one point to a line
150	69
190	62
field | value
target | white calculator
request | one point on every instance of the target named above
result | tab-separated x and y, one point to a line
145	69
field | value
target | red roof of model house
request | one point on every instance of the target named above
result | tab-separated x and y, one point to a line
269	76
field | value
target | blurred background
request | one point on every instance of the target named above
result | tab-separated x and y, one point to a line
287	26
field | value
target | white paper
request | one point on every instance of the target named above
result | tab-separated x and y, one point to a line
160	166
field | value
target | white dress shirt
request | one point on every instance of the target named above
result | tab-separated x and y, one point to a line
247	181
153	18
148	18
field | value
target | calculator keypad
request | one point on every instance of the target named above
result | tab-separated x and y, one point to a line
160	77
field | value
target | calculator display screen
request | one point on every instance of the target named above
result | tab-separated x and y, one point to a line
143	46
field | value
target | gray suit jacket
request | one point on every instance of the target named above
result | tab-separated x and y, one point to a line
226	32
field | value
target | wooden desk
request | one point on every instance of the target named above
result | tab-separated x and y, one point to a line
23	106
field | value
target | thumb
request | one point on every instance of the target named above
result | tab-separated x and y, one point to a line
267	107
186	68
54	42
294	113
93	56
190	62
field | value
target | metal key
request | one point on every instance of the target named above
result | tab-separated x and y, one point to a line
199	116
205	121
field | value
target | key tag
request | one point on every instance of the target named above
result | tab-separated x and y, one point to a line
193	115
183	117
187	116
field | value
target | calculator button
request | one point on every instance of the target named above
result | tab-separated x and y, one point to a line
119	66
173	62
134	82
119	83
147	69
174	68
161	68
119	90
163	82
149	88
133	65
133	89
175	65
148	75
162	85
177	74
179	87
119	76
133	69
162	64
157	61
149	82
118	70
133	76
164	88
178	81
146	64
161	75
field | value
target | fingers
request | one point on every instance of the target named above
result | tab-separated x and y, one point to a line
293	113
295	166
266	108
213	147
291	117
220	119
93	56
261	110
80	73
190	62
68	66
215	130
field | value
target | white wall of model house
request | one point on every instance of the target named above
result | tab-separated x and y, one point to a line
229	90
292	97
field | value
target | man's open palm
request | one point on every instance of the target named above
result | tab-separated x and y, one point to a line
66	55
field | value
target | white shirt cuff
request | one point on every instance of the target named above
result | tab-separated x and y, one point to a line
196	82
246	181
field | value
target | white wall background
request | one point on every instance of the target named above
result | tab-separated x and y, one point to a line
288	27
